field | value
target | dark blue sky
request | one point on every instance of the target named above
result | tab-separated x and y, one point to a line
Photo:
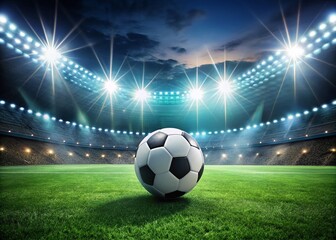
173	33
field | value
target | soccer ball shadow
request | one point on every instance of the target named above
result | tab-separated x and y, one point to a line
138	210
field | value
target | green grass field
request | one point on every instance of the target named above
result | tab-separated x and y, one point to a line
106	201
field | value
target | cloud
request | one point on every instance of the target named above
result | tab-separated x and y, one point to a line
133	43
179	50
178	20
104	26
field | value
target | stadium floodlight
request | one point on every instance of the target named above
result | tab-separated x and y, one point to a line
110	86
141	95
224	87
3	19
50	54
295	52
324	106
12	27
46	117
38	114
196	94
322	26
2	102
12	105
312	34
315	109
334	102
306	112
332	18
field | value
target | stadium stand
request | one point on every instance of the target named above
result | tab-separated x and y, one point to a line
321	151
51	141
20	151
20	123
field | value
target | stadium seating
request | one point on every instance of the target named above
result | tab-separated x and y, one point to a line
21	151
20	129
19	123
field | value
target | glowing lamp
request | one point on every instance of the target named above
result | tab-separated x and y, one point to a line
141	95
196	94
50	54
110	86
225	87
295	52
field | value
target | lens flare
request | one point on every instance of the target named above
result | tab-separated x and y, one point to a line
110	86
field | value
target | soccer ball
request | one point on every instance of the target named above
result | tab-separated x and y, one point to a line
169	163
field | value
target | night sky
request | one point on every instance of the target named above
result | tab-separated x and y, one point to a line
165	38
170	34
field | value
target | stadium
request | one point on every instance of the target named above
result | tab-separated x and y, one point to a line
85	83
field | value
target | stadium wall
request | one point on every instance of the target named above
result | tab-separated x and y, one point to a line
20	151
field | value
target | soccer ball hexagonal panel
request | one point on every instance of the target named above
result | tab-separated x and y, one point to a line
158	139
166	182
142	155
196	160
159	160
153	191
179	167
177	146
188	182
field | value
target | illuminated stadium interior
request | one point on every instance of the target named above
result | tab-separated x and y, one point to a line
154	119
204	104
285	95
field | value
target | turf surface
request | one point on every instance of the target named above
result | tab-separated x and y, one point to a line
106	201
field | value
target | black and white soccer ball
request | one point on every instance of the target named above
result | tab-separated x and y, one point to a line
169	163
